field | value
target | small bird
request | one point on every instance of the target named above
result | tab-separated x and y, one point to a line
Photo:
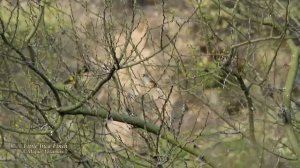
149	81
73	79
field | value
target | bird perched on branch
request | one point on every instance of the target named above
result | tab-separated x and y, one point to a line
73	79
